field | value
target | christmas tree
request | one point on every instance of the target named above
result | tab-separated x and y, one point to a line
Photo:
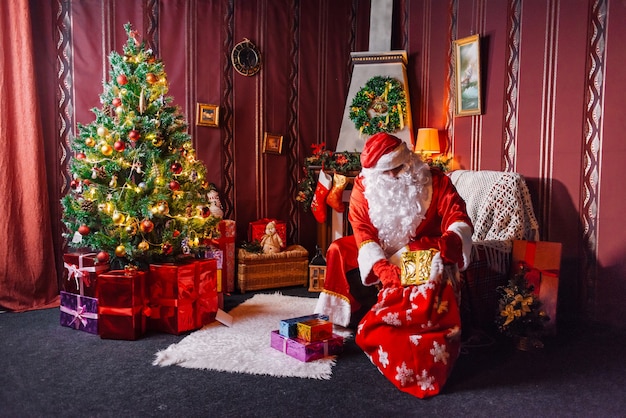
137	194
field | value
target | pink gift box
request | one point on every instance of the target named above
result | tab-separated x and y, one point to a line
306	351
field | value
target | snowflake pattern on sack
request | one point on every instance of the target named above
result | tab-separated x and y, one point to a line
393	319
424	288
383	357
425	381
454	333
427	325
439	353
415	339
442	307
404	375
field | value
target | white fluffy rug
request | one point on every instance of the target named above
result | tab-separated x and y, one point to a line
245	347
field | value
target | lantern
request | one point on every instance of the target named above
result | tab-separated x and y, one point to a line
317	271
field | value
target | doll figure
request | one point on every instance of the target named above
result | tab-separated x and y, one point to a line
271	241
215	205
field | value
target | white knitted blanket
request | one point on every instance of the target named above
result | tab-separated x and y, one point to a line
500	208
498	204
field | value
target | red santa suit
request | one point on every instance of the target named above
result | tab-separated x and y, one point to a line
412	333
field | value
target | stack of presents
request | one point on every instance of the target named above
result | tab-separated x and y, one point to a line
307	338
170	298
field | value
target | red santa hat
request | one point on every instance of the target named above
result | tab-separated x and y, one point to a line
383	152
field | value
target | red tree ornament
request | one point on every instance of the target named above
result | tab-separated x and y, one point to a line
102	257
146	226
119	146
174	185
133	135
177	168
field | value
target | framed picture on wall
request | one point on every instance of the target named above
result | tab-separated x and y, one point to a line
272	144
208	115
467	71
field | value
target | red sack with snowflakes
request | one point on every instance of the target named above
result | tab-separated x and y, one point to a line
413	335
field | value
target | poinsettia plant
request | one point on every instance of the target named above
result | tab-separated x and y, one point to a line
338	162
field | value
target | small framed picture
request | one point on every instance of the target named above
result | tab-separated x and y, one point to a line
208	115
467	69
272	144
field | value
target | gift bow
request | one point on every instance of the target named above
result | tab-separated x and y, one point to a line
75	272
78	271
80	314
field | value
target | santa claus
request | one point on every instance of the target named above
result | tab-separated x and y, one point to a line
400	204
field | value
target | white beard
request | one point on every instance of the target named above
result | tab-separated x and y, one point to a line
397	205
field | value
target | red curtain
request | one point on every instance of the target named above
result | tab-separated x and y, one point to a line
27	262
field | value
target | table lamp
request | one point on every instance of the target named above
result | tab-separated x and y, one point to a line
427	141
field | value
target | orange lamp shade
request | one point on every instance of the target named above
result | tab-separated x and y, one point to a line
427	141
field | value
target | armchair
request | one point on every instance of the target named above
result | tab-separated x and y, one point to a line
501	210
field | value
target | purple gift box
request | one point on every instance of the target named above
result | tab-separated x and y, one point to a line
79	312
307	351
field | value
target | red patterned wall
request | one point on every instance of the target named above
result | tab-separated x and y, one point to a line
553	83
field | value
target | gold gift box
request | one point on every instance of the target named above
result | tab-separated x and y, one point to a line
415	269
315	330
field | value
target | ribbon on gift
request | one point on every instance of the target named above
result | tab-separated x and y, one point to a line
73	271
154	308
79	314
110	310
77	272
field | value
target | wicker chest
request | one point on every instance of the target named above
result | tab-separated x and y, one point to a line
265	271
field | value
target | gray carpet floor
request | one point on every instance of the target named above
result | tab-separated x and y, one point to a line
51	371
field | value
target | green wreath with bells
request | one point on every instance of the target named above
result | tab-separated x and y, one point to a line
380	106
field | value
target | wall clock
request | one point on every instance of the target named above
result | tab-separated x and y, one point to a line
246	58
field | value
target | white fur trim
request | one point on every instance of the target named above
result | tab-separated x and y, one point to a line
325	179
369	254
464	231
391	160
337	309
436	267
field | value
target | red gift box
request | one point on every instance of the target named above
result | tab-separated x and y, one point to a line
208	302
121	296
226	243
182	297
81	273
172	295
544	260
